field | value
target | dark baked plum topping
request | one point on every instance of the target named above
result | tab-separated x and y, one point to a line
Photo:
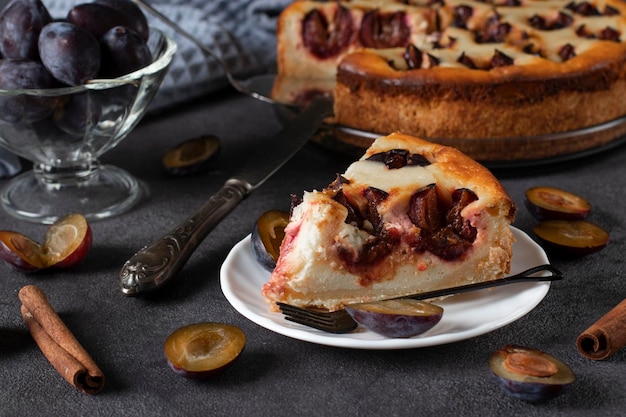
399	158
561	21
433	61
384	30
567	52
413	57
466	60
461	198
500	59
584	8
417	160
374	197
538	22
324	39
609	34
610	11
444	233
393	159
462	14
354	218
424	209
495	31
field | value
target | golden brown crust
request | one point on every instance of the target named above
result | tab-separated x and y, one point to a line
461	103
543	90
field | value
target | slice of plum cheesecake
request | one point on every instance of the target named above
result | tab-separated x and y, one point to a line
409	216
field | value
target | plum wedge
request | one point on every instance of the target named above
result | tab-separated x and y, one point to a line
550	203
577	238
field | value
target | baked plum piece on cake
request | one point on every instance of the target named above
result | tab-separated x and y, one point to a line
409	216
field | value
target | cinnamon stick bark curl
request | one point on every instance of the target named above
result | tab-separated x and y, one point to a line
606	336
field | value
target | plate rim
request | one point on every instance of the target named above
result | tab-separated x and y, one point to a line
315	336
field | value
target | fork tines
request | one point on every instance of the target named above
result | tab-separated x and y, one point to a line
329	321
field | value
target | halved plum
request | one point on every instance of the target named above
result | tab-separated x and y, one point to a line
400	318
66	243
192	155
267	235
578	237
201	350
550	203
529	374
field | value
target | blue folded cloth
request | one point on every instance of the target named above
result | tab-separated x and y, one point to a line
9	164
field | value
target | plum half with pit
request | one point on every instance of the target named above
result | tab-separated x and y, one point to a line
267	236
201	350
400	318
66	243
550	203
529	374
576	238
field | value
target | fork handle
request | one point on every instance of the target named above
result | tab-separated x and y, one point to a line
524	276
154	265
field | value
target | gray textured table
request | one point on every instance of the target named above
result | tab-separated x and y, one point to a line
277	375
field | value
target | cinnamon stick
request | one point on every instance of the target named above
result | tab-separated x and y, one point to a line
606	336
57	342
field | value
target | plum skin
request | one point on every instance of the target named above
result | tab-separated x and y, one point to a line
549	382
394	318
267	235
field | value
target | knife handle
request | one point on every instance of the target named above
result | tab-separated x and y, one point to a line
154	265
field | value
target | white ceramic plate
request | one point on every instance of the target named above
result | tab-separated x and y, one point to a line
465	315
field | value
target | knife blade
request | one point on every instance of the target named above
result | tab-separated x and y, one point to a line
156	264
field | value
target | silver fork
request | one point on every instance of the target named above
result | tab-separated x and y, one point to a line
340	321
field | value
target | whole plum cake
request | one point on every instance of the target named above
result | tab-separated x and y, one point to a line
466	69
409	216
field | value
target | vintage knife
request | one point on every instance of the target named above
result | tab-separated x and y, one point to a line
156	264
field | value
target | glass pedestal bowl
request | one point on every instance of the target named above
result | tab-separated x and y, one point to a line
63	132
